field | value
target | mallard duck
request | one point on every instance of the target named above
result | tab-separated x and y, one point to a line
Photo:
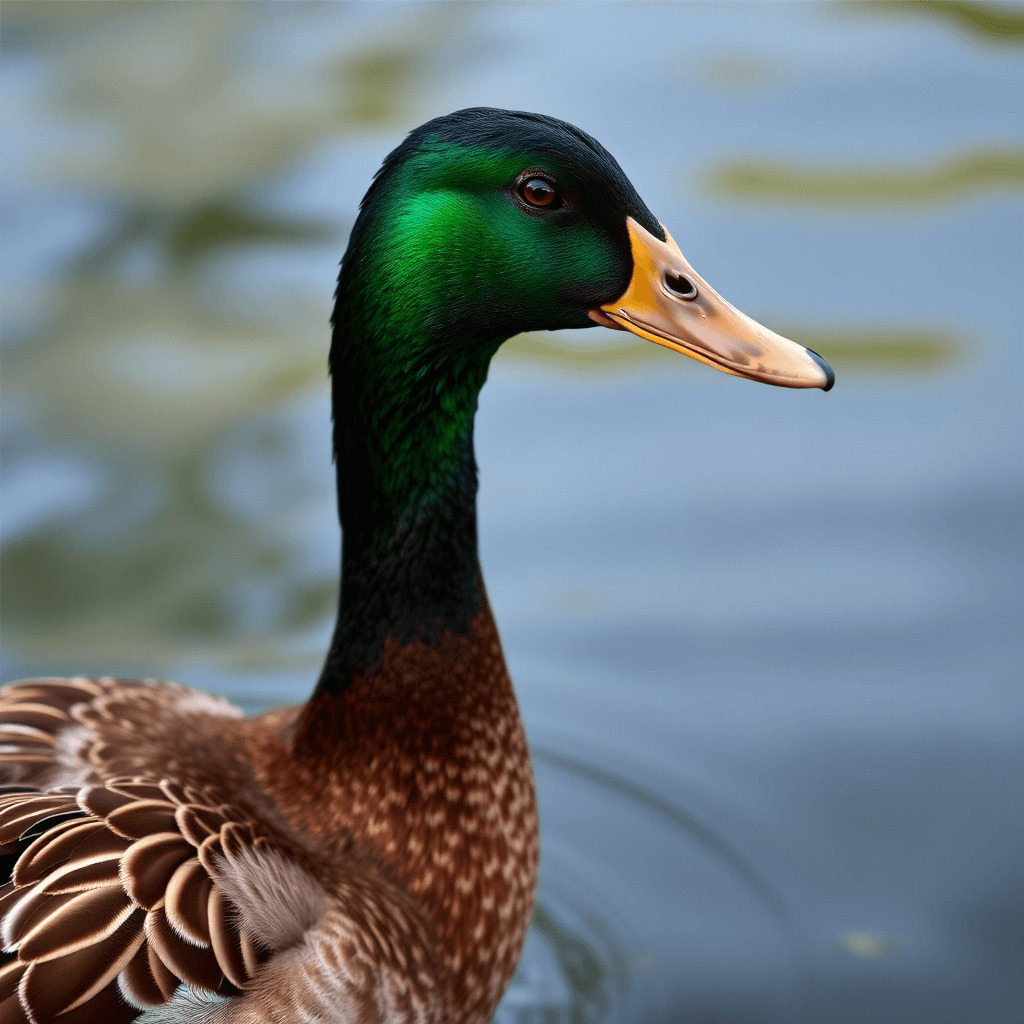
371	855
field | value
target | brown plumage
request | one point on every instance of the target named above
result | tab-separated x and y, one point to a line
164	838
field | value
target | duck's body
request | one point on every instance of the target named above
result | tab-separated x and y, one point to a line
384	840
372	855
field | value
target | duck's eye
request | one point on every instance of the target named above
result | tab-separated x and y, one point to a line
538	192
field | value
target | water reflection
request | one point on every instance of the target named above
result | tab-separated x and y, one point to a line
603	352
964	175
992	22
794	623
587	977
189	236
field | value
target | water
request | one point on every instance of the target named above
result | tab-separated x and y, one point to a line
767	643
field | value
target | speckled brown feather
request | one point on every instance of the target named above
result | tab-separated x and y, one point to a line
435	774
370	857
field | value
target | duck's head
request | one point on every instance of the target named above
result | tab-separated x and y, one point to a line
485	223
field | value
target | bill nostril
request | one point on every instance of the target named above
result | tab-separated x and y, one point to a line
680	286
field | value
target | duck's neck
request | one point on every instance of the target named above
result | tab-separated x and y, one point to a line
405	384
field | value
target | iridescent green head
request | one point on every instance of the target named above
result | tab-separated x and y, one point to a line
490	222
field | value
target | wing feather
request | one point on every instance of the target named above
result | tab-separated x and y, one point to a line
224	939
12	732
87	919
12	1012
139	789
10	977
53	987
137	983
210	853
99	801
198	823
57	693
82	840
165	980
43	825
149	865
107	1006
178	794
147	903
9	895
187	902
18	817
15	757
31	910
79	875
43	717
196	965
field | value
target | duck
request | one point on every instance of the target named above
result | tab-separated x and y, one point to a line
370	855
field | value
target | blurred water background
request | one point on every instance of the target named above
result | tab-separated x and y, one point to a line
767	643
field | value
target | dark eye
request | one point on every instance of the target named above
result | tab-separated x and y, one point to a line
538	192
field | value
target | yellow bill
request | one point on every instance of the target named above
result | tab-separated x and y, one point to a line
669	303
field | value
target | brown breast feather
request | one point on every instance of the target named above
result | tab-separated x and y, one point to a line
434	772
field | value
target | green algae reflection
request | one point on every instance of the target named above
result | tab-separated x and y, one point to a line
997	22
962	175
883	351
864	351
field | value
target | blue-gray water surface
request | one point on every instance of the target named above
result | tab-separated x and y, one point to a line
767	643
